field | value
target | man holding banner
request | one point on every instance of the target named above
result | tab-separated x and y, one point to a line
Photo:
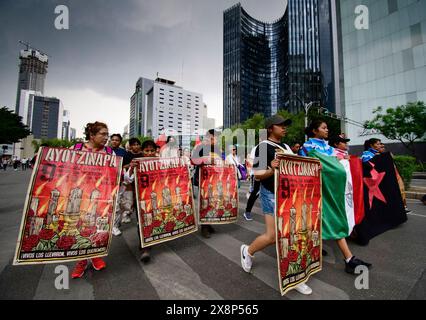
264	167
206	153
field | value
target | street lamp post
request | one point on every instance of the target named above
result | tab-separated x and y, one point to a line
307	107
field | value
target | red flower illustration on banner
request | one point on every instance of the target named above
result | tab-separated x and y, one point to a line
310	245
303	263
60	225
30	242
229	206
203	214
157	223
220	213
284	267
315	253
27	228
189	220
66	242
181	216
87	232
30	213
234	212
147	231
100	239
170	226
46	234
293	256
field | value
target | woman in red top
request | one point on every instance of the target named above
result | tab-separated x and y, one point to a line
97	138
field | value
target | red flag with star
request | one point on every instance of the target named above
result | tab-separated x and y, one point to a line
383	205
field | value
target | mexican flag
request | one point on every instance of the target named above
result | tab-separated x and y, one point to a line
338	209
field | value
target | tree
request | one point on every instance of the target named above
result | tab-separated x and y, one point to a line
54	143
11	127
295	132
406	123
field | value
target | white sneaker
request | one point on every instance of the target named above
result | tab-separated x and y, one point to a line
126	219
246	261
303	289
116	231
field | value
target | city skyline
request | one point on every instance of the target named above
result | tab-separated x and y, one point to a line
181	40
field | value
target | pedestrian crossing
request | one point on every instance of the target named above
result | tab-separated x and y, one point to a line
190	268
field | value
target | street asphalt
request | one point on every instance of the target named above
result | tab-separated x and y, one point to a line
202	269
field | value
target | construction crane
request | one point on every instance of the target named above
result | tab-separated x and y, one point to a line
29	46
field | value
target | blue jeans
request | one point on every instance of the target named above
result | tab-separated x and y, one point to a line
267	199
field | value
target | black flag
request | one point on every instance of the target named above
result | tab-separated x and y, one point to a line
384	208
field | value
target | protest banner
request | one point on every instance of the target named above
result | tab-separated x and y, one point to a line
164	200
297	219
218	194
69	208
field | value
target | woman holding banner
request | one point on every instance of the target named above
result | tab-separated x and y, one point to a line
97	138
335	225
264	168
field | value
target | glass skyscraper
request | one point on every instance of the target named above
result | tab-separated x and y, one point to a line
278	65
385	64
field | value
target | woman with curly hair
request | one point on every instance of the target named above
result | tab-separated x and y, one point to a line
96	141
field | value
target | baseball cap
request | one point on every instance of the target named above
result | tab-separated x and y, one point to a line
337	139
277	120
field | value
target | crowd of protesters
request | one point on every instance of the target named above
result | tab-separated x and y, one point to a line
258	169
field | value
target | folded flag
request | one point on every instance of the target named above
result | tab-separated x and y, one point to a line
358	188
384	207
335	223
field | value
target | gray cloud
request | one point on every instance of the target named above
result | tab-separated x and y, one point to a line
111	43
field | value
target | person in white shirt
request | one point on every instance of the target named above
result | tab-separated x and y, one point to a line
170	149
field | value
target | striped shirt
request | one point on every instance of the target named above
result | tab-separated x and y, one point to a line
319	145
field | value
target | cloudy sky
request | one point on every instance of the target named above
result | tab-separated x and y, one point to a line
94	65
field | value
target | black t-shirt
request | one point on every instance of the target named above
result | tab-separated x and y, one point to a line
264	155
130	156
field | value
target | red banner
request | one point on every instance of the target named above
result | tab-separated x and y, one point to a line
165	201
69	208
297	220
218	195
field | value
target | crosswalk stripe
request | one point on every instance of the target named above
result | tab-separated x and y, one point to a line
170	276
259	228
79	289
265	269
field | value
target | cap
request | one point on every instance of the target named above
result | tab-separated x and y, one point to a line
277	120
337	139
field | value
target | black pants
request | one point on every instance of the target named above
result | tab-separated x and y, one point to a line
253	195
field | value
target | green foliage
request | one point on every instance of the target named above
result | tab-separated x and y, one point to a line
406	123
406	166
142	139
54	143
11	127
295	132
